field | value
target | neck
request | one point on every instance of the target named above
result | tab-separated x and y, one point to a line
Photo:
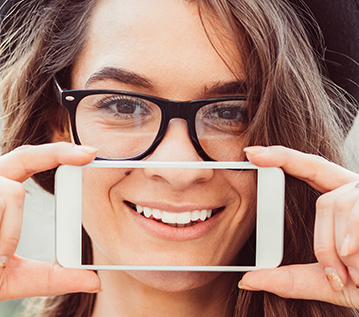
125	294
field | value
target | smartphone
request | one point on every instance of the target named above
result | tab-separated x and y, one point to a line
173	216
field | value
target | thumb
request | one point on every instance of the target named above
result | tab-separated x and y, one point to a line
307	281
27	278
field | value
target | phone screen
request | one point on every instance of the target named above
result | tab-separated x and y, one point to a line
169	217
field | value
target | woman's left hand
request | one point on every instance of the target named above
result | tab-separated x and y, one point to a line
335	278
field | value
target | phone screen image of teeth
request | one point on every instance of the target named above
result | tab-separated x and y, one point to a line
169	217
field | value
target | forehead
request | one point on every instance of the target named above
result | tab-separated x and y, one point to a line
163	40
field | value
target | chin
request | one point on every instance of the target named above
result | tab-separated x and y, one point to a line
177	281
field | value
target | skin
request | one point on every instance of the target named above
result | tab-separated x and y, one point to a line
336	231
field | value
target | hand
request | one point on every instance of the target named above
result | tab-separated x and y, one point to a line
335	278
21	277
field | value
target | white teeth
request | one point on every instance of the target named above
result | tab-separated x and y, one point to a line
176	219
168	217
184	217
157	213
195	215
203	214
147	212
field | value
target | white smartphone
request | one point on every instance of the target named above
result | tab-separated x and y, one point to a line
173	216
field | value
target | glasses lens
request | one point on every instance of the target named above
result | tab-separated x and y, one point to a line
220	127
120	126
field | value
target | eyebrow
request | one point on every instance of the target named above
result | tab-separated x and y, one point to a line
124	76
120	75
237	87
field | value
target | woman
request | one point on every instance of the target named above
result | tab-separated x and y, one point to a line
180	50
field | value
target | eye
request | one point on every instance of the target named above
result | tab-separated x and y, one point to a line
124	105
228	117
227	113
231	113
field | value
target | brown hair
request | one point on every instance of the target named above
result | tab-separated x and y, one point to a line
297	109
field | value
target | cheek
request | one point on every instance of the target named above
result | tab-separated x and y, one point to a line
97	211
244	183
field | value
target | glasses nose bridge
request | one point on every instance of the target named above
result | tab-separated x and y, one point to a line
178	109
181	110
185	110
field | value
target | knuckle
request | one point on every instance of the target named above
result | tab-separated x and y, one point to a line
22	148
323	251
10	189
22	156
316	161
23	152
50	277
292	281
10	241
16	190
324	202
279	148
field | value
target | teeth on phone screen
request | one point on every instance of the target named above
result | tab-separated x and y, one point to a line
157	213
147	212
169	217
177	219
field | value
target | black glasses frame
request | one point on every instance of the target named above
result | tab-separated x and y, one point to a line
170	109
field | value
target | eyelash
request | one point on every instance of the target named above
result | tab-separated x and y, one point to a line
108	102
240	110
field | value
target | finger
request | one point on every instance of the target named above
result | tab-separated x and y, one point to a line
12	203
349	251
28	160
297	281
3	258
325	239
28	278
335	214
314	170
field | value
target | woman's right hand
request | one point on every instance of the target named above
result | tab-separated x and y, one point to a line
20	277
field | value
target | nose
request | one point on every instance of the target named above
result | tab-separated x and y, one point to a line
177	146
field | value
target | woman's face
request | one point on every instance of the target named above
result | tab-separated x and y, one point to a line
160	48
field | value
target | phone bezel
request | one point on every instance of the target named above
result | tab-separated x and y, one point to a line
270	214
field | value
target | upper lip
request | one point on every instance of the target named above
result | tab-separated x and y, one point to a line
173	208
180	216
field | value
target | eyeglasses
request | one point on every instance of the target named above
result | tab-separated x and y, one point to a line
125	125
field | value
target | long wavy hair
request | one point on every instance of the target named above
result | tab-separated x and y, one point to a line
297	108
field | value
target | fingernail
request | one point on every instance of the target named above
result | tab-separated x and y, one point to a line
87	149
256	150
354	275
345	246
3	262
334	279
245	287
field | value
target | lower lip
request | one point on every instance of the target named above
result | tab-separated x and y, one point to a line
163	231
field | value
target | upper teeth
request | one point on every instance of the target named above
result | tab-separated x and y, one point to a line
175	217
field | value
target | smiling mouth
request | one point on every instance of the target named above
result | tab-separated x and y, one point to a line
175	219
